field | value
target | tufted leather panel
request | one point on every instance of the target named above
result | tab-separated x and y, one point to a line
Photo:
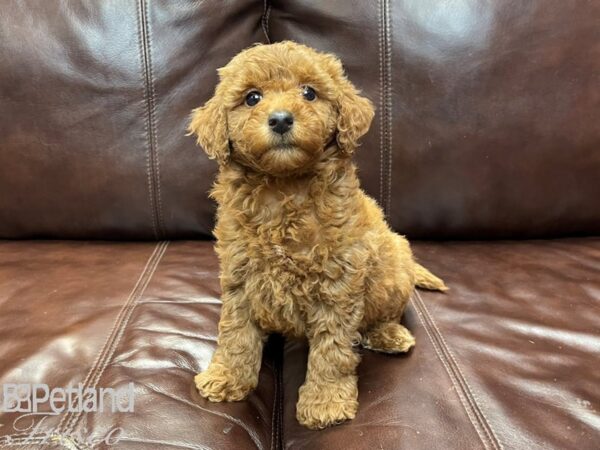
488	121
94	103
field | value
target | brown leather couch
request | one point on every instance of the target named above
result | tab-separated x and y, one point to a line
485	152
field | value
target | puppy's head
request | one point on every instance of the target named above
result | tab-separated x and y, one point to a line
277	107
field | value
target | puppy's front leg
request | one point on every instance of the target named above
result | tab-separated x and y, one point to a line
233	371
329	393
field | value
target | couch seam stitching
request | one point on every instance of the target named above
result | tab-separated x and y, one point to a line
145	122
123	326
152	163
154	127
117	331
381	102
277	415
121	329
389	104
281	391
22	439
469	390
463	389
448	371
71	443
264	21
385	106
100	354
273	412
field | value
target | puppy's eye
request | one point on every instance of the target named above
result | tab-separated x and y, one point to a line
253	97
308	93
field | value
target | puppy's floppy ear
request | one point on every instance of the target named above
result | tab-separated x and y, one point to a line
209	124
355	112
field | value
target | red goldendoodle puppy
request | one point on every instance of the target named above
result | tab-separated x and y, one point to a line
303	250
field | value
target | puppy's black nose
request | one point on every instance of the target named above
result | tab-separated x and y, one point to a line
281	121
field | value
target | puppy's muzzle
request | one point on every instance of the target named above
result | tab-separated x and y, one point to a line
280	122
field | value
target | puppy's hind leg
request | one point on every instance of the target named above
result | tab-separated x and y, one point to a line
388	337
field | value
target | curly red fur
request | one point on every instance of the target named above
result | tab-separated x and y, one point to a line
303	250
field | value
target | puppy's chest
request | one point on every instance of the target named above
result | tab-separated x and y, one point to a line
286	228
288	248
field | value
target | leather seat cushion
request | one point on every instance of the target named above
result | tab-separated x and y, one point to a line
507	358
107	314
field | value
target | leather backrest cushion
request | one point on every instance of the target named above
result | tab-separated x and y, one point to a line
94	101
487	126
488	112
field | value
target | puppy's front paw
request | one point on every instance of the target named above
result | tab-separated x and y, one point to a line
322	405
217	384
